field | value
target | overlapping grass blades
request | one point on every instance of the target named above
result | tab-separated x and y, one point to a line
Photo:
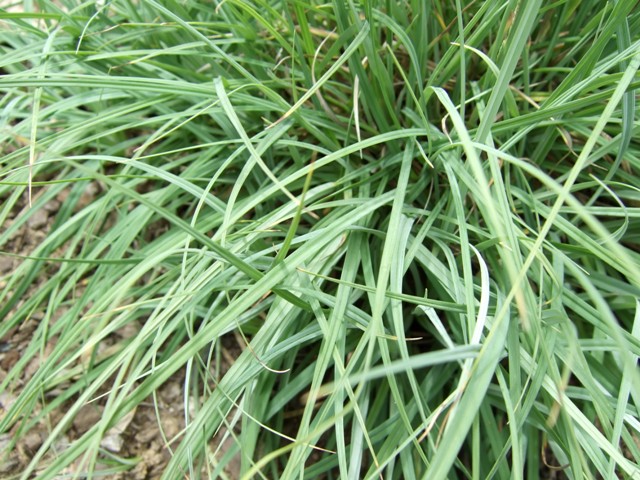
421	217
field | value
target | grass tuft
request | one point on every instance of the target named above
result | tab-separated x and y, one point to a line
370	240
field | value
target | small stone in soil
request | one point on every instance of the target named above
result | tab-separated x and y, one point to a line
6	264
38	219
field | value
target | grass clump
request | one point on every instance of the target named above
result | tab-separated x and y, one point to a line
370	240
